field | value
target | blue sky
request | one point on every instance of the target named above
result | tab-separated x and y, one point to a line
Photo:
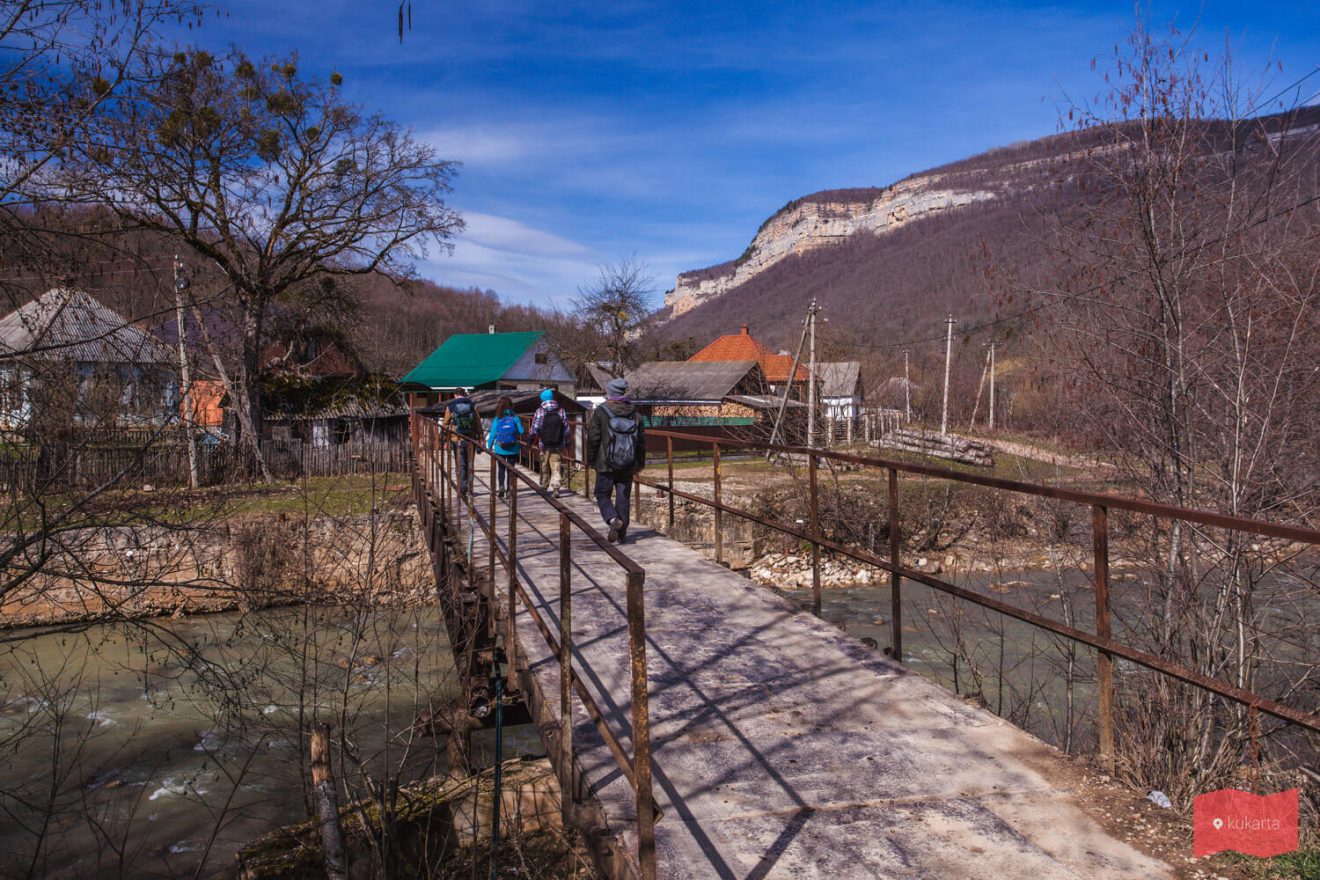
591	132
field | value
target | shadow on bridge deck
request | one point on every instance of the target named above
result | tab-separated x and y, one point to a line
782	747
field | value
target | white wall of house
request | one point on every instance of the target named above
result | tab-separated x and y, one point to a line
842	407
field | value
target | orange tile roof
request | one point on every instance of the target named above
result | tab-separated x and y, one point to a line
745	347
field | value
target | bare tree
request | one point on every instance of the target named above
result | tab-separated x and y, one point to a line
1189	319
617	304
63	62
274	179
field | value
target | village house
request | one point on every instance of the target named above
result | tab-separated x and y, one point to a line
592	379
69	362
841	398
775	367
721	398
314	387
489	362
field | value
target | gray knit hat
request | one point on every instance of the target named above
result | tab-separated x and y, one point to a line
617	389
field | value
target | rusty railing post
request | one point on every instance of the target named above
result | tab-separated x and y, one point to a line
669	451
587	471
566	796
815	533
641	727
443	470
491	531
511	639
895	582
719	514
451	452
1104	661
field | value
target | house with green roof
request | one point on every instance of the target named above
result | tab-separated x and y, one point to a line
490	361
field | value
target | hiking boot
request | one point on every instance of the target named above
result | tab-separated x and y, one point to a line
623	535
616	527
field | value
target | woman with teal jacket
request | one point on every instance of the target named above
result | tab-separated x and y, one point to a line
506	430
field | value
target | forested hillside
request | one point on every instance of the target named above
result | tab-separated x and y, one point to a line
392	323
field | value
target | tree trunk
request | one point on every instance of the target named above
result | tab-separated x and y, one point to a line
327	804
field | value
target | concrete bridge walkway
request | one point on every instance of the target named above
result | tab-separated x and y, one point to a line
781	746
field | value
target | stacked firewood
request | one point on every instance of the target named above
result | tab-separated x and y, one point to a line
964	450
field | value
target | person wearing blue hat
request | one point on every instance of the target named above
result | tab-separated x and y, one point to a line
551	435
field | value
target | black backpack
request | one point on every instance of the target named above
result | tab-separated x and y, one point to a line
552	427
465	417
621	451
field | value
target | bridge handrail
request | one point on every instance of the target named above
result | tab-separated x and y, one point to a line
441	447
1113	502
1100	503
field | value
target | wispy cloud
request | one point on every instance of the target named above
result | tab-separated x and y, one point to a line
516	260
670	130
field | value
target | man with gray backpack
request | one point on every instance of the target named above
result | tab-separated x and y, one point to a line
616	450
461	418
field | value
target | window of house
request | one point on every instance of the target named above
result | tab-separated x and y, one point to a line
542	357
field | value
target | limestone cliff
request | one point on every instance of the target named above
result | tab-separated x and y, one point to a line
819	221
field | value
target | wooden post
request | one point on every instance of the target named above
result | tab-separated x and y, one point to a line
815	533
719	514
1104	661
669	451
895	582
327	804
566	797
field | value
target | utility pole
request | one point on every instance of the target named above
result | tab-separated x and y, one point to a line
788	386
185	379
948	358
811	377
907	390
992	385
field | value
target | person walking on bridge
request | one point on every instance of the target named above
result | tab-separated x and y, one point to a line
462	420
505	441
616	449
550	433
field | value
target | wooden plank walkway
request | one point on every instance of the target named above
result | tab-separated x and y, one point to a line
781	746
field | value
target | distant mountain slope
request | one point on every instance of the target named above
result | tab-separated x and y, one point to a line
892	262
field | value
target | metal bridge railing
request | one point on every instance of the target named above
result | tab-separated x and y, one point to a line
1101	640
437	452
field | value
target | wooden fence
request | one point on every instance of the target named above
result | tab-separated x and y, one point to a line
59	466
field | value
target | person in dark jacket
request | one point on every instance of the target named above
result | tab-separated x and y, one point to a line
616	450
462	420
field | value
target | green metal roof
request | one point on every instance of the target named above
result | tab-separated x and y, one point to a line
470	360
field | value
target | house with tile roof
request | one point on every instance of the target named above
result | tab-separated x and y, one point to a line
743	346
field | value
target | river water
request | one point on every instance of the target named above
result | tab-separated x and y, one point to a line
1040	681
1011	667
161	748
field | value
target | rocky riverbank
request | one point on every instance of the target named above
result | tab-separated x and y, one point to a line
243	563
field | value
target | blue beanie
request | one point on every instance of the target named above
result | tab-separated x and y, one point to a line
548	394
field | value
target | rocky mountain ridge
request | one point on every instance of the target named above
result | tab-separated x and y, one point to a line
818	221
